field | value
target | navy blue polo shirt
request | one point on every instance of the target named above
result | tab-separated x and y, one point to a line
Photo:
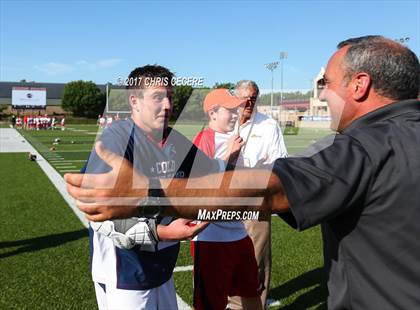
174	157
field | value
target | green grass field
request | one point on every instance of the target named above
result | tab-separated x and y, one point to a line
44	248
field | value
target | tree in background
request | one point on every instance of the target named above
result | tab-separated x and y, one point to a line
83	99
3	107
188	101
227	85
194	108
179	99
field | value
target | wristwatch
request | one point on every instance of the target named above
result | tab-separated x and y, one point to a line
151	206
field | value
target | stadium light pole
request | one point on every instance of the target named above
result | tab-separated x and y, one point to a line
283	56
272	66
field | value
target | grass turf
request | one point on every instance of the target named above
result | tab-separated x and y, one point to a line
59	252
43	246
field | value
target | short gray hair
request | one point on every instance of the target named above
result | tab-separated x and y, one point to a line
393	68
246	84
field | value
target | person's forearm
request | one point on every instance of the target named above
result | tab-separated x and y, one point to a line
239	190
117	193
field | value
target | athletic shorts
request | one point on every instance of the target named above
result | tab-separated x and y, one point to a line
159	298
223	269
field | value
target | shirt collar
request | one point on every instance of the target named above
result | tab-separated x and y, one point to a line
251	119
386	112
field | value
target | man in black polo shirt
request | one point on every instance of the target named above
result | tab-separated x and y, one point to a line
363	185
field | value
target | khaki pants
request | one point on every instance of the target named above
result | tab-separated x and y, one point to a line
260	234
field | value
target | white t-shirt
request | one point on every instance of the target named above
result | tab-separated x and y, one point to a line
215	144
264	141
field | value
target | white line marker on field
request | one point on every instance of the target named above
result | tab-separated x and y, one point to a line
74	151
69	160
182	305
183	268
273	303
60	163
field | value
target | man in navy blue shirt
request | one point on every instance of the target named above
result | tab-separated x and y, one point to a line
137	273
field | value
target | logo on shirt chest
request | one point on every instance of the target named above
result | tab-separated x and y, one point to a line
170	150
165	167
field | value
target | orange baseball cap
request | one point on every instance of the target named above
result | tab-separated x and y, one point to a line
220	98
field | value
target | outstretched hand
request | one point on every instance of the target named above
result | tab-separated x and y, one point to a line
110	195
180	229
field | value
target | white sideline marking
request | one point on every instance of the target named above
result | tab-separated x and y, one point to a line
183	268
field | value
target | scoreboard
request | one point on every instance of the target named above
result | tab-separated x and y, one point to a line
29	98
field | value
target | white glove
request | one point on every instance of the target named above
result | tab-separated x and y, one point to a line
126	233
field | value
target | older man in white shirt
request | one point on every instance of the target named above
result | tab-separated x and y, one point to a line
263	144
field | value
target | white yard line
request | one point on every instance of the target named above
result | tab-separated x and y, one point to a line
73	151
182	305
274	303
68	160
183	268
60	163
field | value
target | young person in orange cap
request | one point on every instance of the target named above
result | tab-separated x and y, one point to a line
224	261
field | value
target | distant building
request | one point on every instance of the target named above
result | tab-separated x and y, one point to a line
318	107
296	105
311	112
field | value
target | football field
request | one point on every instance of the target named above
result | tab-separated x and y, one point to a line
44	247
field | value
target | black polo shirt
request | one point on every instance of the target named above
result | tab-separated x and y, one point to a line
364	187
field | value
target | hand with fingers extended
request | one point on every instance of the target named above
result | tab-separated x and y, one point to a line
180	229
234	145
114	194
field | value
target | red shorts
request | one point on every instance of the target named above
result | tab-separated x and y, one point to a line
223	269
